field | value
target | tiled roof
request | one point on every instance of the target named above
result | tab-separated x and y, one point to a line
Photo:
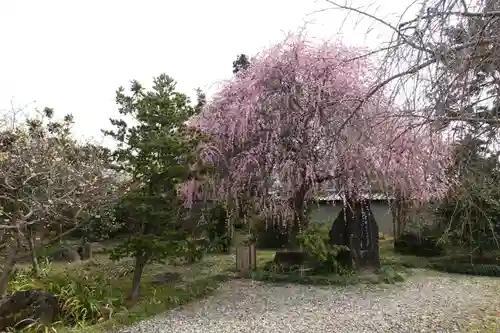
337	197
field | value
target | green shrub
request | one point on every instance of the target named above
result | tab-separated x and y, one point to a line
470	211
193	249
289	262
44	252
85	300
389	275
424	244
273	267
468	268
315	241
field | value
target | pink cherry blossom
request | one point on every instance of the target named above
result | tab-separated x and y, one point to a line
291	123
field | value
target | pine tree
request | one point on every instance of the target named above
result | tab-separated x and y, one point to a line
158	151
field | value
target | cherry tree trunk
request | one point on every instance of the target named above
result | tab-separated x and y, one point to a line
31	247
299	221
9	264
399	210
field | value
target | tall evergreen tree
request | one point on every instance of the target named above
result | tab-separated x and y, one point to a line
158	150
240	63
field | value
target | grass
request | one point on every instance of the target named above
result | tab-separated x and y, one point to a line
198	280
155	301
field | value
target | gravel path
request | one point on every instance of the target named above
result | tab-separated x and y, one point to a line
436	303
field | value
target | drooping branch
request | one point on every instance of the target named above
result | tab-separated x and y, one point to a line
301	118
449	53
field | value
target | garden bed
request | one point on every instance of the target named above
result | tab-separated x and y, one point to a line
98	288
464	264
386	275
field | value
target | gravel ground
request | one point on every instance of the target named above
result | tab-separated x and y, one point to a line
424	303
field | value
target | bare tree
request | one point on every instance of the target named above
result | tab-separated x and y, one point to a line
46	176
441	64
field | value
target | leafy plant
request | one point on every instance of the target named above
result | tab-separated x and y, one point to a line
470	213
101	226
83	300
35	327
315	241
193	248
389	275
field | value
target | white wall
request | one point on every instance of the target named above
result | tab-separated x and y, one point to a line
328	212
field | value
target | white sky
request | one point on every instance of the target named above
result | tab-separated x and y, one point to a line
72	55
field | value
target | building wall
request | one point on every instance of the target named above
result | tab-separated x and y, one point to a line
327	212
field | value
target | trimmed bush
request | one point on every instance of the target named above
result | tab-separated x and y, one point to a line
469	265
288	261
387	275
421	245
468	269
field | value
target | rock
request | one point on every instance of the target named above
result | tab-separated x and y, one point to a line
85	251
22	308
356	228
167	277
65	255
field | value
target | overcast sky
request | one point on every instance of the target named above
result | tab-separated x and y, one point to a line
72	55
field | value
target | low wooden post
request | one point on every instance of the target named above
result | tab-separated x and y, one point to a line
86	251
246	258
